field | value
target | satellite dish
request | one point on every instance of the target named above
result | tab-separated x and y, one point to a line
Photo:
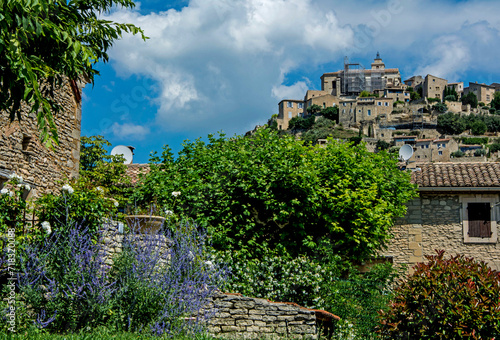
125	151
405	152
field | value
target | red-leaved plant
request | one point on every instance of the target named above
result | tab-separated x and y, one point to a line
455	298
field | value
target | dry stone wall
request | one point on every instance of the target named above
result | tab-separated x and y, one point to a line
433	221
243	317
22	152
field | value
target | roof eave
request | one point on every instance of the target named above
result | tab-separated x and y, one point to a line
458	189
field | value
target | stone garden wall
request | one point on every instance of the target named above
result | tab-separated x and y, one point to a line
240	317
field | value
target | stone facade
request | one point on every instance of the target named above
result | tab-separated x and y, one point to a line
441	217
241	317
484	93
21	151
288	109
434	87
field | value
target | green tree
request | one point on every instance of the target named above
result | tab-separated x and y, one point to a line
440	107
43	42
331	113
470	98
99	169
313	109
495	103
450	123
322	129
478	128
300	123
265	191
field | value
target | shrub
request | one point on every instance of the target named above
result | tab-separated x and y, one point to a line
480	152
457	154
455	298
383	145
78	204
474	140
494	147
440	107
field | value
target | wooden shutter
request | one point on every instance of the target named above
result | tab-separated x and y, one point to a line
479	219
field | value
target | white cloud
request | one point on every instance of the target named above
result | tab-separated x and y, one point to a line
224	64
219	64
129	131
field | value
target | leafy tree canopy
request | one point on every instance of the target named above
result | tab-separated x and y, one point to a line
264	191
470	98
495	103
42	42
313	109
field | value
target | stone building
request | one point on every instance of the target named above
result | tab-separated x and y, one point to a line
354	79
22	153
457	211
288	109
433	87
484	93
415	82
434	150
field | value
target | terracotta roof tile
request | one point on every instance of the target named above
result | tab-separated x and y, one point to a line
133	171
458	175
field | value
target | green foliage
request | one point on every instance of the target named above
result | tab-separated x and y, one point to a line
478	128
358	298
383	145
331	113
300	123
433	100
494	147
450	94
455	298
43	42
278	276
81	203
457	154
440	107
480	152
471	99
495	103
397	102
322	129
270	192
366	94
449	123
414	95
313	109
481	104
98	169
474	140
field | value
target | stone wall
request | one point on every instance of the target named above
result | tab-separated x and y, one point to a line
241	317
434	222
22	152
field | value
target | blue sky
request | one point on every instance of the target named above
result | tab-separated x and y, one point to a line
224	65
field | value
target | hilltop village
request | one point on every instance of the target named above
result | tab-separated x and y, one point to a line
388	113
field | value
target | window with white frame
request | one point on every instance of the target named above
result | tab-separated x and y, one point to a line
289	115
369	112
300	105
289	104
479	219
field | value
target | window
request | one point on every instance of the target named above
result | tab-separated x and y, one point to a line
324	105
379	103
370	113
478	217
344	104
343	111
289	104
386	104
381	135
300	105
289	115
440	153
427	146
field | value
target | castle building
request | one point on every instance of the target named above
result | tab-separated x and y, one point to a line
354	79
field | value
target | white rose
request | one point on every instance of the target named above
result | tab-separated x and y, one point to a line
16	177
46	227
169	212
99	189
4	191
176	193
68	189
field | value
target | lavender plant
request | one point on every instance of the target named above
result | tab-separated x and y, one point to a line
164	282
65	281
